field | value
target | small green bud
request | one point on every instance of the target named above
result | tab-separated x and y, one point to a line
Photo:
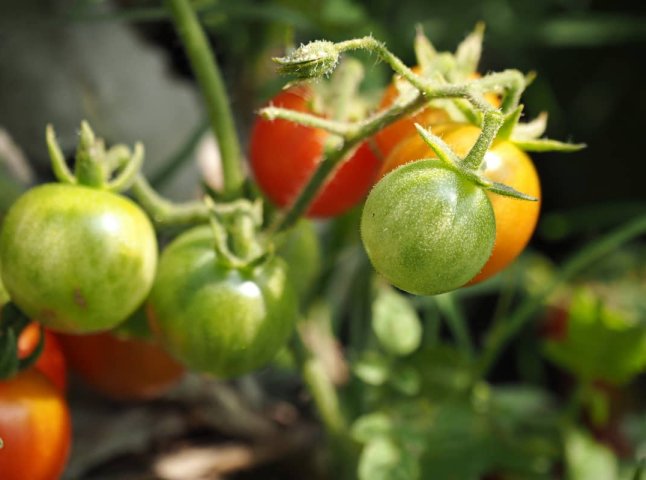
315	59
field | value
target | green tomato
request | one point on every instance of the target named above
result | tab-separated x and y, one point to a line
77	259
302	253
217	319
427	229
4	296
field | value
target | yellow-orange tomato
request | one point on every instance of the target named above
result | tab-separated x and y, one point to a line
388	138
504	163
120	368
35	428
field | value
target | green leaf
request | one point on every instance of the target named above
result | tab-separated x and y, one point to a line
530	130
406	380
372	368
468	53
368	427
383	459
546	145
507	191
511	122
588	460
396	323
602	342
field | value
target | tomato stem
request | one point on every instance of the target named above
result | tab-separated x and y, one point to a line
208	76
90	168
490	126
166	213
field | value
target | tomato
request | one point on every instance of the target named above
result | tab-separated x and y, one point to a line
121	368
217	319
77	259
51	361
427	229
35	428
284	155
504	163
388	138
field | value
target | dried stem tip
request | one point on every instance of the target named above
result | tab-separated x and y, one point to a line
316	59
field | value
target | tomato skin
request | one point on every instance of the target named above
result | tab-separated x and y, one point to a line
504	163
121	368
51	361
427	229
77	259
284	155
35	428
216	319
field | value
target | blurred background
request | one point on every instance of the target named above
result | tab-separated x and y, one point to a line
120	65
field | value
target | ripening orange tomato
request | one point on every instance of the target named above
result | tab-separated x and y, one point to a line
504	163
35	428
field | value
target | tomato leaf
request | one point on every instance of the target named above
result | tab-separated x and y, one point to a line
396	323
384	459
588	460
507	191
602	342
372	369
546	145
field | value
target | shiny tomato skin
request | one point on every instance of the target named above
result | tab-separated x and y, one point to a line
77	259
284	155
426	229
35	428
121	368
504	163
216	319
51	361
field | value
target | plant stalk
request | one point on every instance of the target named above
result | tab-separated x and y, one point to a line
207	73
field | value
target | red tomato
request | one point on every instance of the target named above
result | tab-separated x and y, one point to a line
35	428
284	155
388	138
51	361
122	369
504	163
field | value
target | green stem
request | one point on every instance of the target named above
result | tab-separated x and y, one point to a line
456	323
429	89
326	400
306	119
208	76
167	213
330	159
492	122
499	338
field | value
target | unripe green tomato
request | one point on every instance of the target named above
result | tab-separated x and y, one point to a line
4	295
77	259
427	229
216	319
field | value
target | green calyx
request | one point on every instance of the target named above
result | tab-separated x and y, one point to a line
113	170
237	241
469	166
